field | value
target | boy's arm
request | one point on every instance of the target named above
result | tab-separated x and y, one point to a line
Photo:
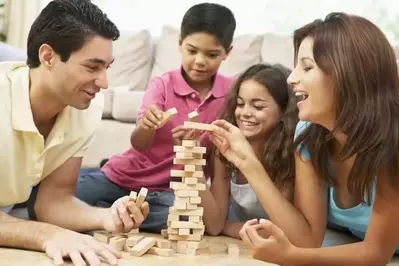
154	98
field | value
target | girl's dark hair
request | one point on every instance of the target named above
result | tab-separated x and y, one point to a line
360	62
278	152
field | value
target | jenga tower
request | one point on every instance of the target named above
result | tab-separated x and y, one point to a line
185	223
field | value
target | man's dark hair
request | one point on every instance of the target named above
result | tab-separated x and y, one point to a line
211	18
66	25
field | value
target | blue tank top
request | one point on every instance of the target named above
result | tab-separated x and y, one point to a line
354	219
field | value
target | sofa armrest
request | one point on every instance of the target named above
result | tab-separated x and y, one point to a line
126	105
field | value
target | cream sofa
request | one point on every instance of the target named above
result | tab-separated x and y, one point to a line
139	57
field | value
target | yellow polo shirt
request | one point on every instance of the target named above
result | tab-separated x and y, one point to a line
25	159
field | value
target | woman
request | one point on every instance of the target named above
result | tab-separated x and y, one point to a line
347	164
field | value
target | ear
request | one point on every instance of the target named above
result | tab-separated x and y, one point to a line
228	52
180	43
46	55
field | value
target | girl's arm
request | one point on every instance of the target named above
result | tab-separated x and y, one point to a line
216	199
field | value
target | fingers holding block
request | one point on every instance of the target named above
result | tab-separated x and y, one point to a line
141	197
167	116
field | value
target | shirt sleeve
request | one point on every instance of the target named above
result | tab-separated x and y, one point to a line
154	94
84	147
300	127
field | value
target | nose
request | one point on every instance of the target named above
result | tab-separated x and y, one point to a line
246	111
102	80
200	59
293	78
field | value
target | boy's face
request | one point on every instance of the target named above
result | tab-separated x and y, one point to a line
202	55
77	81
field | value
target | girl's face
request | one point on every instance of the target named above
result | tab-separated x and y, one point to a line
256	112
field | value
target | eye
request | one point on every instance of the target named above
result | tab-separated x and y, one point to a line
92	68
306	69
190	51
240	104
213	55
259	108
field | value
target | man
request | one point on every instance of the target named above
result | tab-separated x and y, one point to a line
48	114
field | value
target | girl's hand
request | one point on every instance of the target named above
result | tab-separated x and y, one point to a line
181	133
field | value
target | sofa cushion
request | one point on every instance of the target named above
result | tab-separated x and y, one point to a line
278	49
246	52
133	60
126	105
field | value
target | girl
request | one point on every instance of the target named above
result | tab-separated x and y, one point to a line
347	165
257	104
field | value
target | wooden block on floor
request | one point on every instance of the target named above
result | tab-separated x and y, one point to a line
167	116
133	195
192	252
197	244
133	240
164	244
161	252
195	200
181	247
193	116
233	250
182	186
194	219
200	150
184	232
188	225
190	143
142	247
186	238
197	212
199	126
189	161
190	180
102	236
182	193
117	243
141	197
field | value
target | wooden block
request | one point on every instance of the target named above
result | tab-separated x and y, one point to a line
192	252
201	150
167	116
190	168
190	143
133	195
184	231
187	225
197	212
198	231
142	247
189	161
164	233
180	205
194	219
161	252
173	218
195	200
133	240
182	193
141	197
199	126
193	193
179	185
187	238
188	155
193	116
190	180
133	232
164	244
233	250
181	247
117	243
102	236
173	231
197	245
182	173
190	206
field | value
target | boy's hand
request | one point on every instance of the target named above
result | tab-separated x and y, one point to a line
152	118
181	133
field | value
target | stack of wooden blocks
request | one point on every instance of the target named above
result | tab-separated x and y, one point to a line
185	223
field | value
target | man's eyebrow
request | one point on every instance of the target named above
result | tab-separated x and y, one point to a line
98	61
209	51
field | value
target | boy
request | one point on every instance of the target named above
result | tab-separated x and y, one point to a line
206	35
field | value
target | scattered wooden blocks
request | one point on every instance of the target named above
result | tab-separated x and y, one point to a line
142	247
167	116
133	240
199	126
102	236
117	243
161	251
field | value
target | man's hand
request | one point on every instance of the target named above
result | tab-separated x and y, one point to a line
64	243
124	215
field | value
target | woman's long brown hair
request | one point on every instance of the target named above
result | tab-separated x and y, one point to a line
278	151
360	62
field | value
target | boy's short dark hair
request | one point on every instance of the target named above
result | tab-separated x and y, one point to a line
65	25
211	18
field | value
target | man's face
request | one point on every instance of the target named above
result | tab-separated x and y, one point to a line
77	81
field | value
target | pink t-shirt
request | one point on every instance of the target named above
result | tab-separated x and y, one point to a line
151	168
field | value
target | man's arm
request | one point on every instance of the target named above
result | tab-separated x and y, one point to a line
56	202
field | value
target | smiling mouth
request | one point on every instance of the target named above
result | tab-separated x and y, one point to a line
301	96
248	124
